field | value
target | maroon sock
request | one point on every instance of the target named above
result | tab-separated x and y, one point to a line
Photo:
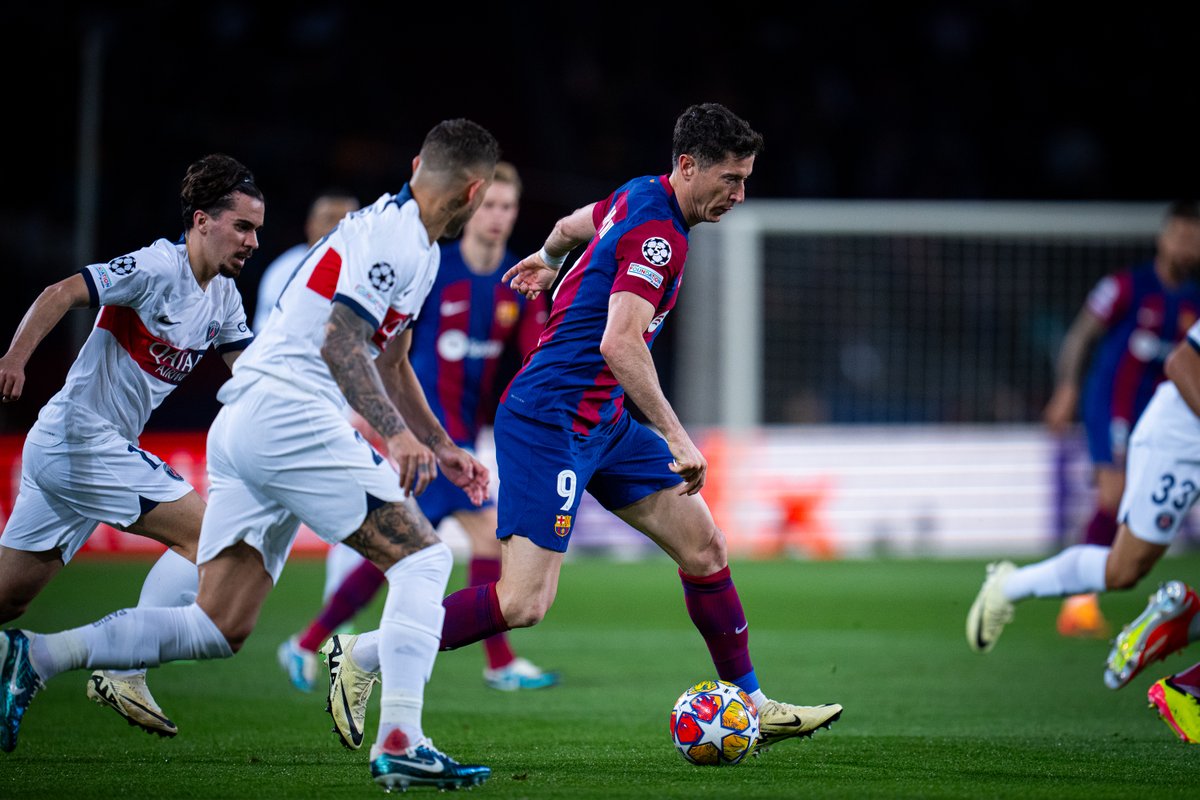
472	614
355	591
716	611
1188	680
495	648
1101	528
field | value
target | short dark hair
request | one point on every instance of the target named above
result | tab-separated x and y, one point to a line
710	133
459	146
210	183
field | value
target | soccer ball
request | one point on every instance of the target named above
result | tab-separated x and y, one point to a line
714	723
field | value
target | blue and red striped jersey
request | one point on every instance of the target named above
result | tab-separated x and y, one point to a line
1144	321
469	327
640	246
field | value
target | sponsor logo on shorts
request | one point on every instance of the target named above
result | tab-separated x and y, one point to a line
650	276
1164	521
562	524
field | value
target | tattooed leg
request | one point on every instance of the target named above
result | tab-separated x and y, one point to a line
391	532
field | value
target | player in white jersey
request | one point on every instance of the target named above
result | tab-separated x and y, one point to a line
325	212
1162	484
282	451
161	308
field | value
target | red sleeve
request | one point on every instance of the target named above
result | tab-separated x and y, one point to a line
649	257
599	211
531	323
1110	299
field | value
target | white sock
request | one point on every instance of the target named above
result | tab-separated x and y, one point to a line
409	635
1076	570
133	638
172	581
366	651
340	561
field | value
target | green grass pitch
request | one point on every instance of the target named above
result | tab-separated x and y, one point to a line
924	718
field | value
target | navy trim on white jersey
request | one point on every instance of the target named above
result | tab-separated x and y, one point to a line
357	308
240	344
93	293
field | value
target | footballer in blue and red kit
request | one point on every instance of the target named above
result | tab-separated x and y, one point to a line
561	426
468	327
1143	321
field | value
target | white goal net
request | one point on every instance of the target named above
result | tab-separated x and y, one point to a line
883	312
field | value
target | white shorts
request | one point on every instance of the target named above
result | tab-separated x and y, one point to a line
276	458
68	488
1162	476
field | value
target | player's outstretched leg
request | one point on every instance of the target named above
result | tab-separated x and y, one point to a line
425	765
349	689
991	610
129	696
716	610
1179	709
1161	629
778	721
19	682
505	671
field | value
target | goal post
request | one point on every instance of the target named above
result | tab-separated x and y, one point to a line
800	311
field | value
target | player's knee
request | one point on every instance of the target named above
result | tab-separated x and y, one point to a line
235	632
236	638
525	611
711	556
12	607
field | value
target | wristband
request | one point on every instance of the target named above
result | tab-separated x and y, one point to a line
551	261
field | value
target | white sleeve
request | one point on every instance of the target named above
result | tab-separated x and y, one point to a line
234	333
127	280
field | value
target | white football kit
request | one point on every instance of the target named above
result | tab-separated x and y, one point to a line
81	464
1162	480
281	450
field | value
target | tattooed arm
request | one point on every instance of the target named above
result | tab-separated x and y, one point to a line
347	353
408	395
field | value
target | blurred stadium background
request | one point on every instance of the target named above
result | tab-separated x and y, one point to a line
864	348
